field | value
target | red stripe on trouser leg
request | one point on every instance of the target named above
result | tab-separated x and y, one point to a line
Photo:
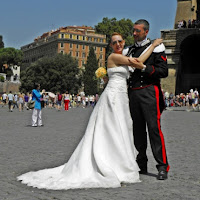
158	123
168	168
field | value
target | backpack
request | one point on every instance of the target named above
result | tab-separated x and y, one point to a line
59	97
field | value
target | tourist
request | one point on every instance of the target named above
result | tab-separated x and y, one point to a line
37	111
10	101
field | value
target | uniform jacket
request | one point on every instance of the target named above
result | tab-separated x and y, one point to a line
156	68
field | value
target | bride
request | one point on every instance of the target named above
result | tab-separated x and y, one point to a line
105	156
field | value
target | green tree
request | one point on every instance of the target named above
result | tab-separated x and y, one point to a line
89	79
56	74
10	56
108	26
1	42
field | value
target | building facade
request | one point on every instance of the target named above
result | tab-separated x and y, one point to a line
73	40
182	46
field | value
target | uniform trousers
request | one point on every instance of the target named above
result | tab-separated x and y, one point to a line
37	117
144	108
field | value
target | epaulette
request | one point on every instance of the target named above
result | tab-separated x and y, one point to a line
160	48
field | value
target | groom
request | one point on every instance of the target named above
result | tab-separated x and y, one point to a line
146	100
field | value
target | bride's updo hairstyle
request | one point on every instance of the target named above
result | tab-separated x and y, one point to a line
115	33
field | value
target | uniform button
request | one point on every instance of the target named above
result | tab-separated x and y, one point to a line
141	81
140	85
141	76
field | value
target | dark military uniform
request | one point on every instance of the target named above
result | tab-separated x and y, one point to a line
147	104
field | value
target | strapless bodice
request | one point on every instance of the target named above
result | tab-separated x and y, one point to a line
117	78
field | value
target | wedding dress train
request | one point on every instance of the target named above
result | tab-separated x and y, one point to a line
105	157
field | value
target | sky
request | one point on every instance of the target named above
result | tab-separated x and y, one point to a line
23	20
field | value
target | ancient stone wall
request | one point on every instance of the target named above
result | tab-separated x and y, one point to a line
9	86
186	9
172	40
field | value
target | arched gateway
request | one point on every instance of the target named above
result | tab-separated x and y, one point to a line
188	74
182	49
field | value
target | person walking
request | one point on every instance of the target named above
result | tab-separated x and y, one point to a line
146	100
15	101
58	101
21	102
26	99
66	100
10	101
4	98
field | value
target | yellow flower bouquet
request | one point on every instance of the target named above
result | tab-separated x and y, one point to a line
101	72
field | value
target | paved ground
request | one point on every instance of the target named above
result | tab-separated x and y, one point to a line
23	148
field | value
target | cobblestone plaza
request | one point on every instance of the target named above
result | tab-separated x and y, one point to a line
24	148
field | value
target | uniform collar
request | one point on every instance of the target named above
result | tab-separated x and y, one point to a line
142	43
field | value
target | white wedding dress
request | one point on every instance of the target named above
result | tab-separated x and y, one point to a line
105	157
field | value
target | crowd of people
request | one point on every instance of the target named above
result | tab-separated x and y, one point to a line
18	100
190	24
190	99
67	100
59	101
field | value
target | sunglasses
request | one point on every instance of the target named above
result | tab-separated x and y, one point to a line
117	41
136	30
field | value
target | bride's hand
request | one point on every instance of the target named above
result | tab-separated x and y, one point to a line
105	79
132	60
157	42
136	63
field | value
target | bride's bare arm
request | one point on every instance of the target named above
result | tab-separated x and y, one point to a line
118	59
146	55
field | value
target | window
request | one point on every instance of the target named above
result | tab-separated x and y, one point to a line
70	45
83	55
70	53
101	40
101	48
83	62
77	54
95	39
83	47
77	37
61	44
62	35
83	37
100	57
77	46
62	52
71	36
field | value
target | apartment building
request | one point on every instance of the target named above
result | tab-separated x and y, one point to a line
73	40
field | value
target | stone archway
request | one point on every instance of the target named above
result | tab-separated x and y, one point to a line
188	73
